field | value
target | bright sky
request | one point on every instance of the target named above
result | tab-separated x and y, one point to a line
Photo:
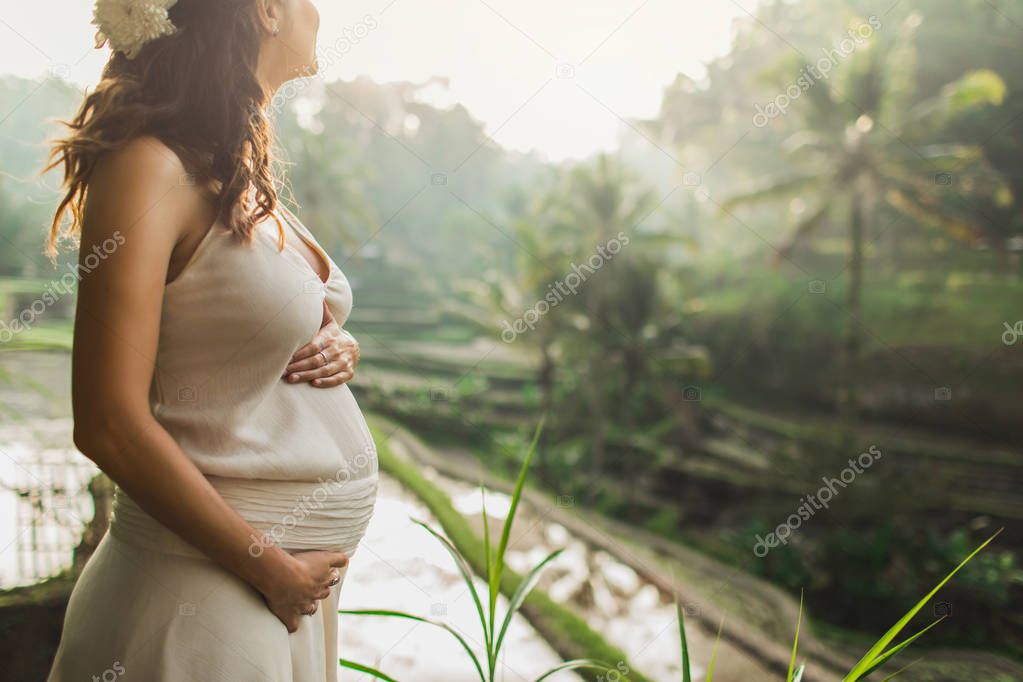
554	75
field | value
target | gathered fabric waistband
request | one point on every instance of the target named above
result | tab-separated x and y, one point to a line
296	515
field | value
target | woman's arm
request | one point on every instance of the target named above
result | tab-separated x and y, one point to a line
139	206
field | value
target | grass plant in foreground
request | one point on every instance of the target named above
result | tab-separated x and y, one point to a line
877	656
494	634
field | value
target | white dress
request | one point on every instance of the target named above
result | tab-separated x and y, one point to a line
297	462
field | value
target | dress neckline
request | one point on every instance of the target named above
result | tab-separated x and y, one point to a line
307	239
218	230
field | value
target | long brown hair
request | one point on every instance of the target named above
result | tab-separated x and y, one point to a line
196	91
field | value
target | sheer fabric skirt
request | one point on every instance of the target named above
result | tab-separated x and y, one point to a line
148	607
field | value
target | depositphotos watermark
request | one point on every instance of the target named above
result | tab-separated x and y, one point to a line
558	291
111	673
1012	333
61	286
619	673
811	74
810	504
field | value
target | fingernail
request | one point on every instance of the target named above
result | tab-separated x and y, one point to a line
293	378
317	382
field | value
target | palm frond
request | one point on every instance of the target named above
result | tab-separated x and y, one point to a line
804	229
771	191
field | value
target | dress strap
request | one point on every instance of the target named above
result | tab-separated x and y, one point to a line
305	235
295	223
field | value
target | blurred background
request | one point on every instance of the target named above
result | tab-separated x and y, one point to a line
759	264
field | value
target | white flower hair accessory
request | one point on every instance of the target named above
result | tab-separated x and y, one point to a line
129	24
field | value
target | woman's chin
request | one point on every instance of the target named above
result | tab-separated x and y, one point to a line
307	71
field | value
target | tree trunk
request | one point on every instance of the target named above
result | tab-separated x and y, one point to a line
849	399
632	369
894	249
1001	256
546	381
598	424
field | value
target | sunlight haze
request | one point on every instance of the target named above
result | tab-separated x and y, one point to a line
501	57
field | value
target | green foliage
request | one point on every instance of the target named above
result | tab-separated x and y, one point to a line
840	568
687	675
563	629
975	88
989	579
936	91
877	656
664	522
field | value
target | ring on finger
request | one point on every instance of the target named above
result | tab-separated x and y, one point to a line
335	578
325	360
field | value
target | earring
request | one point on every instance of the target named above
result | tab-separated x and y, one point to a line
275	30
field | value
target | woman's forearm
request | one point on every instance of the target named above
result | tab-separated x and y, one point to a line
143	459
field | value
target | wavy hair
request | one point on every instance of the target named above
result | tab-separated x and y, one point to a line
197	92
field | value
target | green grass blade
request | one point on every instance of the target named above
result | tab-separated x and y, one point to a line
467	577
576	664
495	574
883	658
900	671
714	652
488	625
365	669
859	670
428	621
487	550
524	588
687	676
795	643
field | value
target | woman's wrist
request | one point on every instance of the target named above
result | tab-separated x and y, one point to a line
266	568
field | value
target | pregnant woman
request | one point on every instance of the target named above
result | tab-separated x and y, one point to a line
209	363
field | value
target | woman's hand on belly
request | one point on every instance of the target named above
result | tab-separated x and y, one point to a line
298	588
326	361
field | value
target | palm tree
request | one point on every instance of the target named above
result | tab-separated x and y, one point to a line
601	203
615	325
500	299
864	147
510	302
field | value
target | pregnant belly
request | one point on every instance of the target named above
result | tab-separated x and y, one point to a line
328	514
283	433
333	431
295	515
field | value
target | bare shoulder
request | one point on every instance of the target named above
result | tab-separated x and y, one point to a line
144	160
142	187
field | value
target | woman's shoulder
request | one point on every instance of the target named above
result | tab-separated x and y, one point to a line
147	159
144	177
